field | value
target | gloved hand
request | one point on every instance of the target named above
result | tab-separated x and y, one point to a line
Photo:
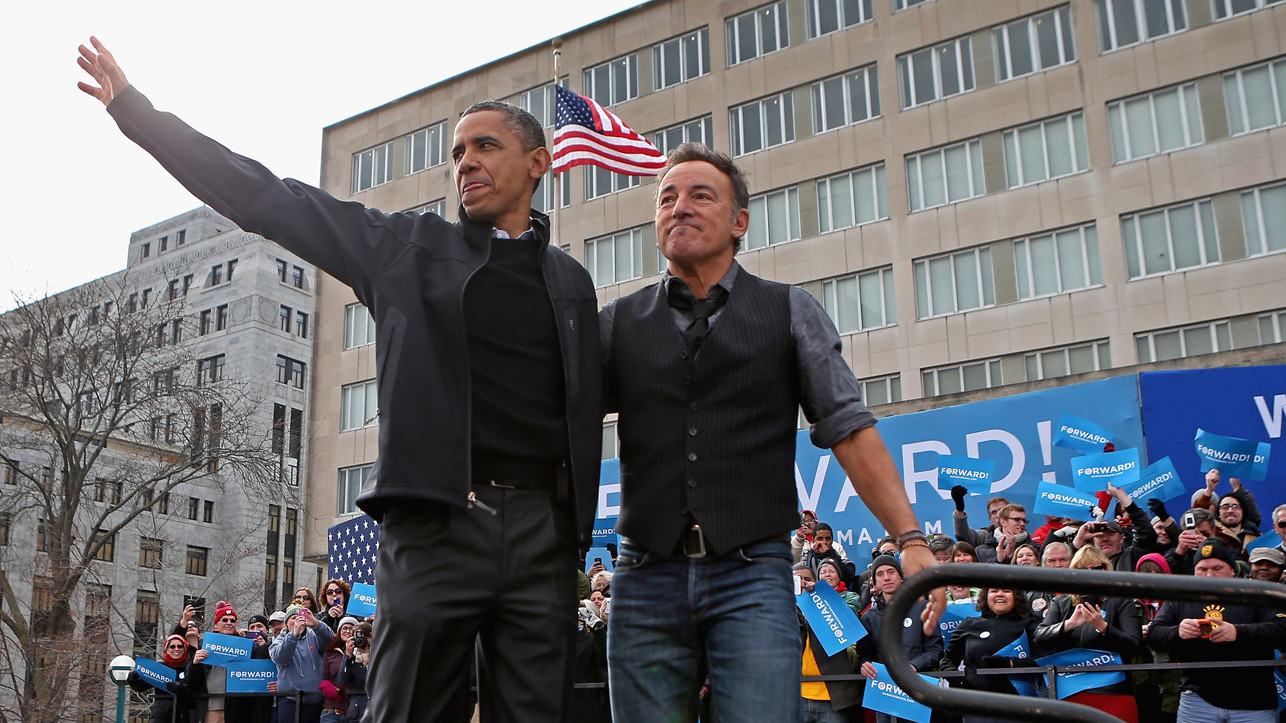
1158	508
329	690
958	493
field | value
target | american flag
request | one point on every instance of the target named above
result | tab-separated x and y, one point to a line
351	549
586	133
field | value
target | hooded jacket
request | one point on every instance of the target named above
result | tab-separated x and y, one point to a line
300	660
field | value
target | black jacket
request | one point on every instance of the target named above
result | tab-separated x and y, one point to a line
976	641
1123	634
925	651
410	270
1260	632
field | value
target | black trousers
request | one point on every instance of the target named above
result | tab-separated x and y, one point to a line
449	576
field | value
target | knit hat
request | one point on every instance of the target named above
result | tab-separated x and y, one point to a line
178	662
889	560
1215	549
347	620
1268	554
833	563
1153	557
258	619
222	608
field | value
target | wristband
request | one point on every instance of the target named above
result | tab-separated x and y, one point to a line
911	535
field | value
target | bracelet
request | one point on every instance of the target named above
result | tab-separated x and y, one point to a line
913	542
911	535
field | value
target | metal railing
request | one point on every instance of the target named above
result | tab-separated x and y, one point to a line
1236	591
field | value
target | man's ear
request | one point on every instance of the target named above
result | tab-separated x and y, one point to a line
538	162
740	223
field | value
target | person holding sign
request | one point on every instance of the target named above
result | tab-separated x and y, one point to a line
211	677
1194	632
1096	623
298	654
924	650
174	705
979	642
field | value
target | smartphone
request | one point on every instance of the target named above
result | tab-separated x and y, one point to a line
254	634
1189	521
598	561
1207	627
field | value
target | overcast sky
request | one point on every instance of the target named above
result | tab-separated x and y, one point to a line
262	77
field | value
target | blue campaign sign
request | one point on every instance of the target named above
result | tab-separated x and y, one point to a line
153	673
1059	501
1094	472
251	676
1245	402
973	474
1080	435
955	614
832	620
884	696
1159	480
223	649
597	554
609	502
1232	456
1280	680
1073	683
1268	539
361	602
1021	649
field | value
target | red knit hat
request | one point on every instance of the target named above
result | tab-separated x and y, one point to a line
222	608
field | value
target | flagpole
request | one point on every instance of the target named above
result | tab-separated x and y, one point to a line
554	230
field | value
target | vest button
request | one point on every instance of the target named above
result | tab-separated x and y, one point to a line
692	431
683	354
692	483
687	381
693	406
692	456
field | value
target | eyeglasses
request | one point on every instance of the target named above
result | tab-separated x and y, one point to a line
1230	506
176	646
227	620
1019	520
1281	525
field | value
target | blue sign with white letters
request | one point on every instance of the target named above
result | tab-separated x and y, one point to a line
361	601
251	676
1233	457
155	674
1159	480
832	620
221	649
973	474
955	614
1080	435
1072	683
884	696
1094	472
1059	501
1021	649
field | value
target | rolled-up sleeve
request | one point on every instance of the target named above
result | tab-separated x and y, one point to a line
829	392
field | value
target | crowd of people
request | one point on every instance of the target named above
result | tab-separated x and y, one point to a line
320	653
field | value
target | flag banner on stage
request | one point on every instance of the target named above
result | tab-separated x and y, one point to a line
352	549
1232	456
586	133
153	673
222	649
884	696
1080	435
1059	501
251	676
1021	649
361	602
1159	480
955	614
1072	683
973	474
834	622
1094	472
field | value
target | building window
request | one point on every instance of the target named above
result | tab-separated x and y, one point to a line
882	390
1068	360
5	521
147	250
956	282
934	73
1034	43
11	472
290	371
106	544
207	512
216	275
757	33
945	175
301	325
827	16
180	237
283	318
860	302
221	317
681	59
539	101
351	480
196	560
1227	8
601	182
282	268
1122	23
359	326
194	508
426	148
372	167
203	327
904	4
176	331
438	207
1046	150
961	378
1255	98
232	267
163	504
543	199
615	81
845	99
150	552
147	615
1170	239
852	199
359	405
210	369
762	124
1157	122
774	219
297	277
1272	327
1167	344
698	130
611	442
1263	217
616	258
163	244
1057	262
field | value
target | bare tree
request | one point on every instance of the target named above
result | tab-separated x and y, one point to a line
105	411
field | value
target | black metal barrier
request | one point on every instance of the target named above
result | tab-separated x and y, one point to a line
1235	591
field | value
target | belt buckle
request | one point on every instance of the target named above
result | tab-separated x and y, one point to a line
500	485
694	537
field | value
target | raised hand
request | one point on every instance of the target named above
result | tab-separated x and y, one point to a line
102	67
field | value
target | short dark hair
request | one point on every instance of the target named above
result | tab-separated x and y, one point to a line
966	548
686	152
518	121
823	526
1020	600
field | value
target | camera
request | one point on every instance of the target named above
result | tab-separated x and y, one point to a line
360	641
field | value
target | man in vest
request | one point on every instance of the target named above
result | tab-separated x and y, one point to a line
707	370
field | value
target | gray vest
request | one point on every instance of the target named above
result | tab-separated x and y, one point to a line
709	437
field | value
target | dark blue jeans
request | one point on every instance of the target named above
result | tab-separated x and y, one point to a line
309	711
675	620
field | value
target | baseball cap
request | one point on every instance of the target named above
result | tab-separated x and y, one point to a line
1268	554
